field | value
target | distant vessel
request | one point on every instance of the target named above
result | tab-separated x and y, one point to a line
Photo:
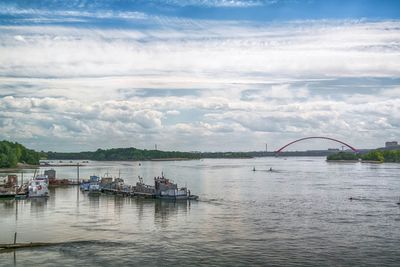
39	186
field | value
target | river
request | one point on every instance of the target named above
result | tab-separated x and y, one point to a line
297	214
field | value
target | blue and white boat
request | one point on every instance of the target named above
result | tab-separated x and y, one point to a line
93	185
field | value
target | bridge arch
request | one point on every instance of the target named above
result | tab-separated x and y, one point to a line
316	137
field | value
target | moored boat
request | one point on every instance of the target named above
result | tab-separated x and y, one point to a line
93	185
39	186
94	189
163	189
6	194
8	187
169	190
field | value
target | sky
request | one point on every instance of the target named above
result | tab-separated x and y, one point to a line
199	75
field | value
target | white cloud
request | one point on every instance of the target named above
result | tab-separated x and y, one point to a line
219	3
243	82
19	38
240	53
173	112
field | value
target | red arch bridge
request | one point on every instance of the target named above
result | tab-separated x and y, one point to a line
316	137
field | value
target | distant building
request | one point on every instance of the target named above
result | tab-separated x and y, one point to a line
391	144
333	149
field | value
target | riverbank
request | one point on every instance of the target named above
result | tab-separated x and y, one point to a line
62	165
372	161
375	156
19	167
356	161
342	161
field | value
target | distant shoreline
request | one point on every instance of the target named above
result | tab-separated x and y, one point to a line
19	167
374	161
170	159
342	161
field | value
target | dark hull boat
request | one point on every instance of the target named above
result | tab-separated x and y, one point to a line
7	195
163	189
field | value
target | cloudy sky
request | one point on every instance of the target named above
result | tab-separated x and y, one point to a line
199	75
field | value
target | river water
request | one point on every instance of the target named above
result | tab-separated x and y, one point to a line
298	214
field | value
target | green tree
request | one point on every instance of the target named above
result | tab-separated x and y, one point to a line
375	155
12	153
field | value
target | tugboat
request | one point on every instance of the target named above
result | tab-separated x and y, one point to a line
143	190
163	189
39	186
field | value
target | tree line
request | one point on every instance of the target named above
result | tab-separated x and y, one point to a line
375	155
132	153
13	153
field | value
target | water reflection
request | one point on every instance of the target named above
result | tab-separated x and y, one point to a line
38	204
94	201
7	203
143	206
163	209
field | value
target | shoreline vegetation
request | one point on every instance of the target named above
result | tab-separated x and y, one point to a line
375	156
14	156
134	154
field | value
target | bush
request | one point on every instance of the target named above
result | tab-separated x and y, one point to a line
343	156
375	155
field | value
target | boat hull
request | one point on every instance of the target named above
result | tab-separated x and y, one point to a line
94	193
7	196
191	197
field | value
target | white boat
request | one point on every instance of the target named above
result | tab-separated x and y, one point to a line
39	186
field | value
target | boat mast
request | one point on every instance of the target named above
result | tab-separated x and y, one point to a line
77	172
